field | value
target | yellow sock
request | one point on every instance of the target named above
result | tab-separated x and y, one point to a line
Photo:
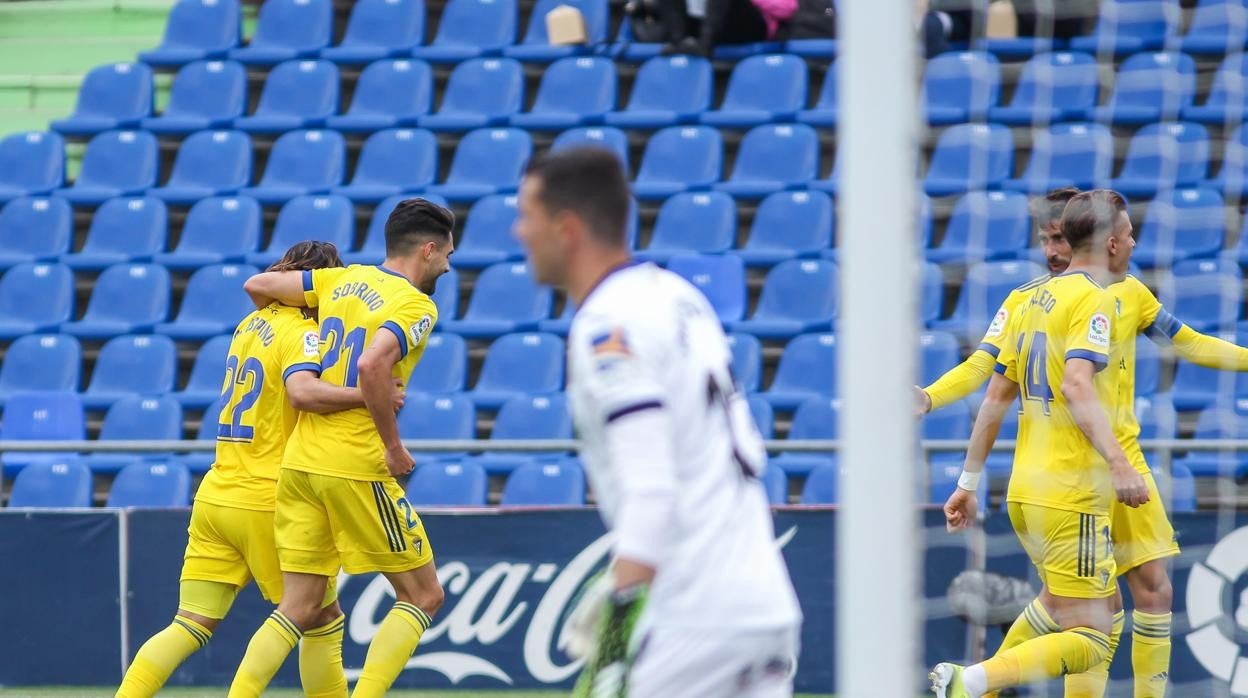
160	656
396	640
1047	657
320	661
1150	653
1091	683
268	648
1033	622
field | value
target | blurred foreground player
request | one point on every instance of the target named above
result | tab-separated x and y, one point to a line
671	451
272	371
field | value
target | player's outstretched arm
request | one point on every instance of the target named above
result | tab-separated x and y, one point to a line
960	509
283	286
1090	416
1212	352
307	393
376	383
957	382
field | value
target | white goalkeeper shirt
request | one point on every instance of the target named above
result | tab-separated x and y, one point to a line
672	453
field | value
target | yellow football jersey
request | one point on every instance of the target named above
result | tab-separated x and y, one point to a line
355	304
256	418
1069	316
995	338
1139	311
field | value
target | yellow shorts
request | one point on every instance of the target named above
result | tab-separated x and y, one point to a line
324	522
1072	551
233	546
1142	534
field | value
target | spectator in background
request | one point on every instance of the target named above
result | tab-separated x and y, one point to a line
934	28
720	22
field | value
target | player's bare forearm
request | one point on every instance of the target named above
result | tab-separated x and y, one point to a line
283	286
1211	352
1088	412
1001	394
308	393
375	384
961	380
631	573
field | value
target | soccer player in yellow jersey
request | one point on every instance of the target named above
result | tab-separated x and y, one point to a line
338	504
271	372
1143	537
1068	465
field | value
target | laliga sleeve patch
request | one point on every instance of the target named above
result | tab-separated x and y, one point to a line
311	343
420	329
1098	330
998	323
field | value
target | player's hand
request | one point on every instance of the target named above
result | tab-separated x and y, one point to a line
606	673
1129	484
399	461
922	402
398	396
960	510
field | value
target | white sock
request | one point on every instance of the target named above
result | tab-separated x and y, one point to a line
975	680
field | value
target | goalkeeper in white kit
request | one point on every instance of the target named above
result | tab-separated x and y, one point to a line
700	601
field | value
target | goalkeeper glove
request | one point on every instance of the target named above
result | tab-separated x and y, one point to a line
606	673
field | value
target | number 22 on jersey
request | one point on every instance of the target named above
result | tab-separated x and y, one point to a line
243	383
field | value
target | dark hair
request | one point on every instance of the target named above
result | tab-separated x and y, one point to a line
413	222
309	254
1090	217
1049	207
589	182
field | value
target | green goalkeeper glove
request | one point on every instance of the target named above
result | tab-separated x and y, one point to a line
606	673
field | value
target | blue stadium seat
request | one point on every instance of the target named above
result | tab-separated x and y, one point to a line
987	285
520	364
65	483
1147	367
203	387
544	483
1156	417
41	416
41	362
35	298
776	485
1180	488
960	86
373	251
481	92
487	161
31	163
969	157
764	417
1150	87
209	163
1207	302
200	462
159	485
1232	178
821	486
459	483
388	93
297	94
325	218
112	96
133	418
931	293
772	158
132	365
34	230
122	230
288	29
541	417
1214	423
1125	27
798	296
807	369
812	48
1226	101
1185	224
126	299
721	278
667	90
1196	387
605	137
574	91
824	113
938	352
196	30
747	364
504	299
1066	155
788	225
1061	86
301	162
487	237
1163	156
444	366
470	29
1216	28
426	416
379	29
945	468
816	418
693	222
536	46
679	158
446	296
217	230
948	423
205	94
212	304
116	163
985	226
762	89
393	161
628	48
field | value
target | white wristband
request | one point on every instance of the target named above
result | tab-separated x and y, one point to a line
969	481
